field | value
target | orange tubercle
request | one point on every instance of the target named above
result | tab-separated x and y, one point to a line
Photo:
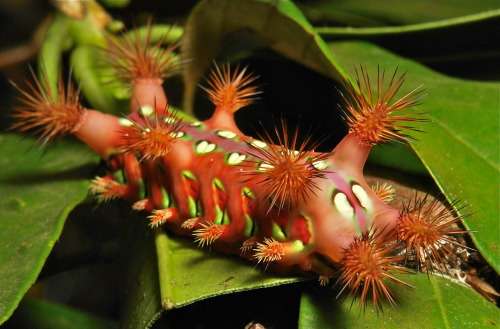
269	251
425	228
230	91
286	172
367	264
139	58
151	138
208	233
50	114
371	117
161	216
106	189
385	192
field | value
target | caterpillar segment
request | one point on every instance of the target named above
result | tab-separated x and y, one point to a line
280	205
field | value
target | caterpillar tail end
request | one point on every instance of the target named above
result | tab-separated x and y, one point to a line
47	113
52	114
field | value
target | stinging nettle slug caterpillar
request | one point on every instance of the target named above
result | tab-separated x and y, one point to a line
277	204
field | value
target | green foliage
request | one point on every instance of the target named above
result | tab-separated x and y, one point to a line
38	191
437	301
39	314
460	151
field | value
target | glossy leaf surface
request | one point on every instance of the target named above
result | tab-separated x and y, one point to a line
188	273
40	314
395	13
436	302
37	192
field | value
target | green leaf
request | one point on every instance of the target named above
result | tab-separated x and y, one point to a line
37	191
39	314
392	30
279	24
467	46
461	145
381	12
436	302
140	296
189	274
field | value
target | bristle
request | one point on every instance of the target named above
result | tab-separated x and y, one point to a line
324	280
286	172
207	234
188	224
367	264
385	192
50	115
370	116
106	189
137	58
140	205
248	244
425	229
152	138
231	90
269	251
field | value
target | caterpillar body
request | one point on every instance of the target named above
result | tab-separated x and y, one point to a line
282	205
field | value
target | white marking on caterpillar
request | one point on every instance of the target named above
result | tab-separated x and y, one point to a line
258	144
147	110
236	158
125	122
226	134
362	196
171	120
343	205
320	165
177	134
265	166
204	147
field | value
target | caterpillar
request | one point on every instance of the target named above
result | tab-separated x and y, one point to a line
280	204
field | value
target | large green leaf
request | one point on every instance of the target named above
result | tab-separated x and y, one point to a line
140	294
277	23
461	145
40	314
465	46
37	190
393	30
188	273
436	302
382	13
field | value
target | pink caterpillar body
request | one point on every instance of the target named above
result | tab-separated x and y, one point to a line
293	209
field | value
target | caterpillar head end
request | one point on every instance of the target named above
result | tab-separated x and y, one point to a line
369	114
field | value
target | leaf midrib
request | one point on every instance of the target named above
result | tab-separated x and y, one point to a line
439	301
